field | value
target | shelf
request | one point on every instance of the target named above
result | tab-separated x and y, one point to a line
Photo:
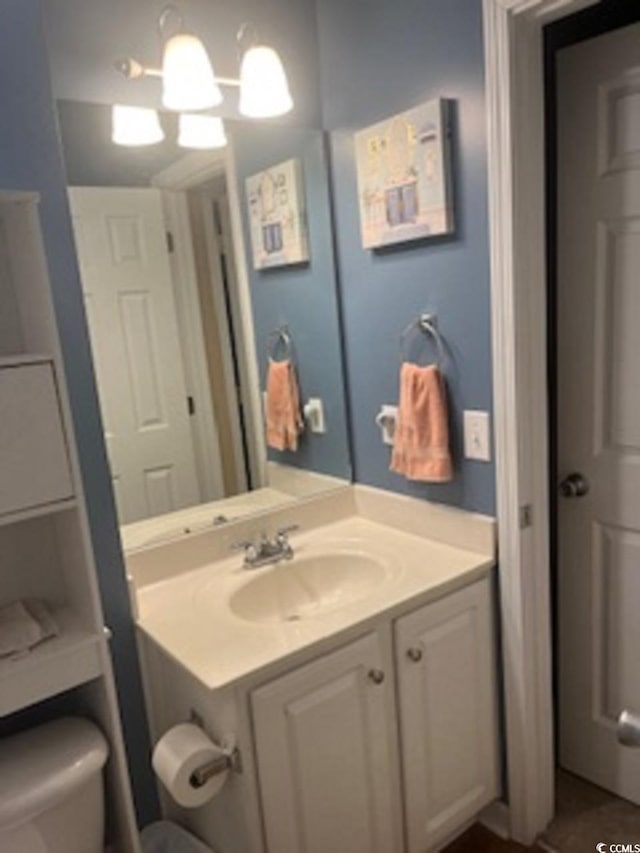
20	359
37	511
56	665
18	197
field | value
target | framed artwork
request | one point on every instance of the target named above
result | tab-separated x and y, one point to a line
277	216
404	181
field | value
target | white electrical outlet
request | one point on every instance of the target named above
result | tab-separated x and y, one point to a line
387	420
476	435
314	414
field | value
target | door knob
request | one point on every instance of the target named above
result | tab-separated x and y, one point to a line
376	676
414	654
574	486
629	729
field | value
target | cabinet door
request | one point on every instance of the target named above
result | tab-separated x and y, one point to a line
447	696
33	451
327	756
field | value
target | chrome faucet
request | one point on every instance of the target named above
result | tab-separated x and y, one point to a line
264	551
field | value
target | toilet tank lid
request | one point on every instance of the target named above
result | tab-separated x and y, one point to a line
42	766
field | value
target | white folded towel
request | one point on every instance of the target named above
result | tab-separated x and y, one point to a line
23	625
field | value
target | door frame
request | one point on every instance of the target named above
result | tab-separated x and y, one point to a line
514	65
191	172
208	236
185	287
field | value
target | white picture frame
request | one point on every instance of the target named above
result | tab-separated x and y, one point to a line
404	176
277	216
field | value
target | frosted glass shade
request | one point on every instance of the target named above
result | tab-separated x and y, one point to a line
188	81
135	126
201	131
264	90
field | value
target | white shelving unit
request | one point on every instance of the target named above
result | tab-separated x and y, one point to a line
45	547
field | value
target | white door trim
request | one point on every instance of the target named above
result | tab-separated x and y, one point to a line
515	115
204	424
252	396
213	249
191	171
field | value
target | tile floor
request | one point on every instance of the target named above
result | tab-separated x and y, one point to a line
585	816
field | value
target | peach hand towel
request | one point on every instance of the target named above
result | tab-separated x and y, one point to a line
421	440
284	421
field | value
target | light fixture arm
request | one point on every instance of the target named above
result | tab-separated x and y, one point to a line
134	70
228	81
164	18
247	36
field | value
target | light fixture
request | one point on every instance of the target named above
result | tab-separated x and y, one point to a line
188	80
201	131
264	90
135	126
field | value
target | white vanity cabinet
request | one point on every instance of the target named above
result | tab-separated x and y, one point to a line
445	663
326	750
329	745
368	727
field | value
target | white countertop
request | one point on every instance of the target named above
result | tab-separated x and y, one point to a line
188	616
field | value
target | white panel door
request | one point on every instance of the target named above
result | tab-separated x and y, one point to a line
599	404
327	756
126	278
448	716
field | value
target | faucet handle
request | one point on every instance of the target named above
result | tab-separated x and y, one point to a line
283	532
250	550
243	545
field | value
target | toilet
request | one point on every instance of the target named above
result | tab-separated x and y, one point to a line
51	789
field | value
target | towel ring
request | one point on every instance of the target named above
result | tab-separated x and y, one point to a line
279	337
428	324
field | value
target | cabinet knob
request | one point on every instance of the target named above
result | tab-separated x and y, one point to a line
376	676
414	654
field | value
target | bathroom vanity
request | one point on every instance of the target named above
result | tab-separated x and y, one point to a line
357	680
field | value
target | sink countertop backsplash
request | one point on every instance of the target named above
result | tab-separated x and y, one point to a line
193	598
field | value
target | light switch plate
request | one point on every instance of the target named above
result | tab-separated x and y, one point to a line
476	435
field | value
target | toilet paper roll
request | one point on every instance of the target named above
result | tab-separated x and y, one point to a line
178	754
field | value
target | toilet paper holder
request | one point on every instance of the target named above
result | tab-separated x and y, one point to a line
230	760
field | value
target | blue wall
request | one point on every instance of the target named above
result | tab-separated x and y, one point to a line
302	296
378	57
30	159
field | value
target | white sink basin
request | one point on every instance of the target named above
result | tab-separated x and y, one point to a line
311	585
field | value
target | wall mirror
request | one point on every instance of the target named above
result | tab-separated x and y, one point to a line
183	324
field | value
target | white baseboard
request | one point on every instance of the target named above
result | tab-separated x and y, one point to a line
495	818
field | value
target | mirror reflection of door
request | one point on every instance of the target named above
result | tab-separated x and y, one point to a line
135	329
